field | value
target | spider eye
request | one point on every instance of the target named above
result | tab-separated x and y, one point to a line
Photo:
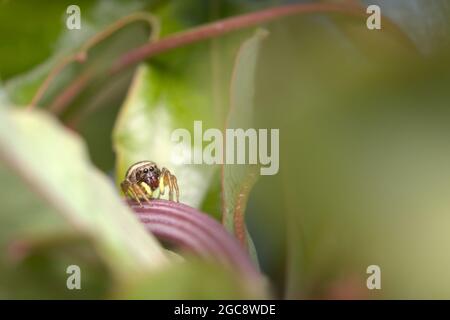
152	168
145	170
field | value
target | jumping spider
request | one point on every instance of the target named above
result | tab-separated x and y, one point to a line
144	177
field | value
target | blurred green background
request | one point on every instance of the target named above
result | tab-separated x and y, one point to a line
364	174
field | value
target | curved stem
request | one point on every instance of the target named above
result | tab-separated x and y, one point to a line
222	27
181	234
187	227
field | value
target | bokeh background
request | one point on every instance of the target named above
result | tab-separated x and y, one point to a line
364	120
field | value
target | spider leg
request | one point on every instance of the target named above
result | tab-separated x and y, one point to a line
140	192
159	192
170	178
124	185
128	191
175	186
165	181
134	195
146	190
161	185
171	181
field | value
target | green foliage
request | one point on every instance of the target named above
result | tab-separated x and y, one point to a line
363	119
51	188
65	213
238	180
352	188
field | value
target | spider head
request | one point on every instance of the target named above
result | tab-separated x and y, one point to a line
149	173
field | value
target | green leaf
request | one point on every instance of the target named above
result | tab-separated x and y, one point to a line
238	179
51	188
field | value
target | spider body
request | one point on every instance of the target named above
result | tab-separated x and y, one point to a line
144	178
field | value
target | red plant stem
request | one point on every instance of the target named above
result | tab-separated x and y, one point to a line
59	103
186	227
48	80
222	27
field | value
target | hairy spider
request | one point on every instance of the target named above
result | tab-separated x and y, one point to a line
144	177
